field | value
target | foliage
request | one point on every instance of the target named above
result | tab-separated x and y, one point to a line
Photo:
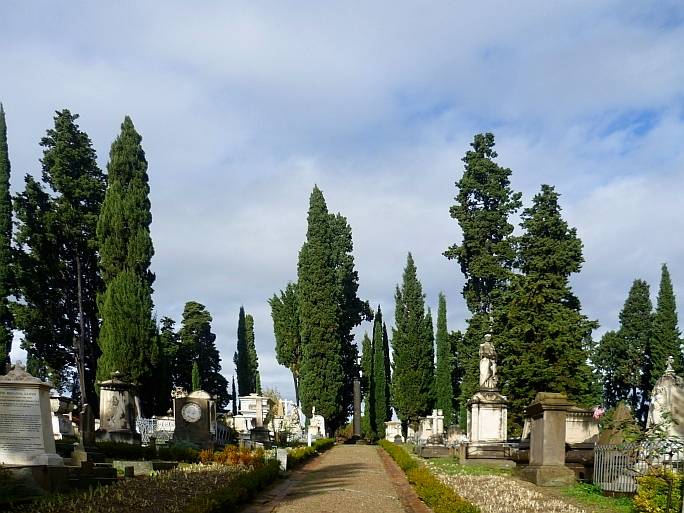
196	380
438	496
592	495
444	387
451	466
124	451
284	311
665	335
56	235
544	338
6	286
298	455
233	455
622	356
413	351
653	490
198	344
245	358
368	424
381	381
234	399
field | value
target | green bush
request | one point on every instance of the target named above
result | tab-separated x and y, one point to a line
652	492
299	455
124	451
240	490
323	444
438	496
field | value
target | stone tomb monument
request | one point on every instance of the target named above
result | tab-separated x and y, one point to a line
487	409
667	399
547	441
26	436
316	425
62	425
117	411
195	417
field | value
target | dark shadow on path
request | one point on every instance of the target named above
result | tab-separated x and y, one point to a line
327	478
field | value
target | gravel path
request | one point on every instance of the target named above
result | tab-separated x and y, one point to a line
345	479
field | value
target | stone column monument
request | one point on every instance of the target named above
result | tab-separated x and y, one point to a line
487	409
357	409
117	411
547	441
26	436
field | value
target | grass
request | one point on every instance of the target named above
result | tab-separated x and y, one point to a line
452	467
590	495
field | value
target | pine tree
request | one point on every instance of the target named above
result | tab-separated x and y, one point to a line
127	335
57	250
486	255
444	391
413	352
198	342
6	319
245	378
622	356
367	388
322	377
381	377
196	380
286	330
545	338
234	397
252	357
665	337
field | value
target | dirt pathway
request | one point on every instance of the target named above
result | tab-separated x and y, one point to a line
345	479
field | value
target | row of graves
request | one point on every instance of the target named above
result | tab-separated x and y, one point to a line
33	425
560	442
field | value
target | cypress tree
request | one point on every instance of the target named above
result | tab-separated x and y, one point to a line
234	397
196	380
622	356
486	255
545	338
57	249
444	391
6	319
257	384
381	377
252	358
199	344
241	358
286	330
413	352
665	336
322	378
367	387
123	231
458	408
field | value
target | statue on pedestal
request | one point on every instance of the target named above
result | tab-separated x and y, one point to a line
488	378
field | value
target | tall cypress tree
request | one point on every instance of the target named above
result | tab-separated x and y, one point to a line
381	376
622	356
665	337
252	357
367	387
6	319
284	311
322	378
57	235
412	346
456	345
200	345
196	380
444	391
486	255
245	378
234	397
545	338
123	231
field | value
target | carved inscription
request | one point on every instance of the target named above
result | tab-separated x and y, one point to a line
21	429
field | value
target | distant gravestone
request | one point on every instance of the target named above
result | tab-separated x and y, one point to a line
26	436
194	414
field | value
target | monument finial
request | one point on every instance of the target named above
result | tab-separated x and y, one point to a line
669	369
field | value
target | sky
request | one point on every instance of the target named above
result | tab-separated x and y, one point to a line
244	106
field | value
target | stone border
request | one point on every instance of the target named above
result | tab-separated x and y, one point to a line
407	495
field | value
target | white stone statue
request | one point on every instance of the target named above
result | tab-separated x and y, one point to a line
488	377
666	399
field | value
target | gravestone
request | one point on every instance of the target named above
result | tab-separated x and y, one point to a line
259	433
667	400
117	411
62	425
393	430
316	425
547	441
194	414
26	436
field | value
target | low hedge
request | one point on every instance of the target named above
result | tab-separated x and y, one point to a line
652	490
124	451
240	490
299	455
438	496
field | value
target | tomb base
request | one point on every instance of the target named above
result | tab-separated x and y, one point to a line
260	435
549	475
123	436
487	416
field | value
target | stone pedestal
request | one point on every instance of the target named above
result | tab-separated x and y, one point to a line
26	436
117	411
547	441
487	417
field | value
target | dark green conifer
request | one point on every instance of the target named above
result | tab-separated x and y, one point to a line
367	389
234	397
413	352
127	334
665	337
6	319
444	391
545	338
284	311
245	378
252	357
486	255
381	376
196	380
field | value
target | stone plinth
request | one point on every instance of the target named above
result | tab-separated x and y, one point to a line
487	417
194	415
26	436
117	411
547	441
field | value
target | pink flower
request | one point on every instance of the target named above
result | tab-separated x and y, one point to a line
598	412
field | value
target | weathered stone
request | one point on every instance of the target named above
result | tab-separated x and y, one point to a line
117	411
194	415
667	403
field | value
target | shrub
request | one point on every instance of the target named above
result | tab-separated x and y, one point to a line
124	451
438	496
299	455
323	444
652	492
